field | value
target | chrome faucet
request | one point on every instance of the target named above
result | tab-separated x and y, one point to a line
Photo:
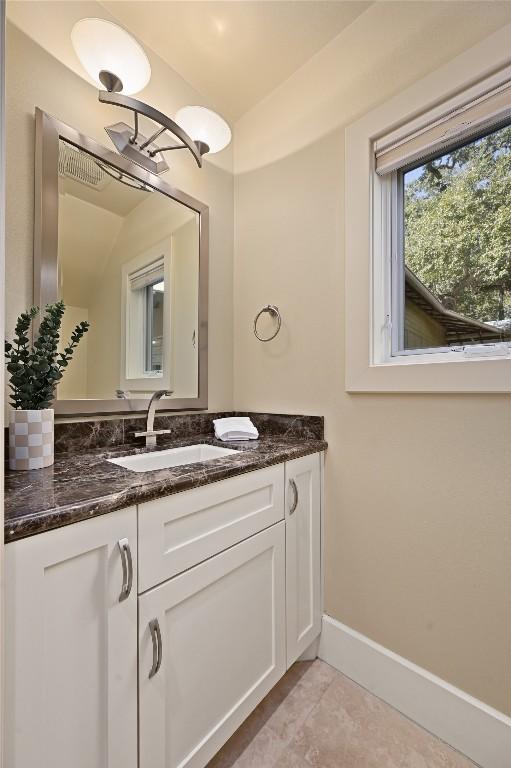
150	433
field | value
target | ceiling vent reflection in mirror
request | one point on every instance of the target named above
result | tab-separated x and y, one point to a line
114	59
80	167
90	171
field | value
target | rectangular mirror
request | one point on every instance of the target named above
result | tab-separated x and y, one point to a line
128	253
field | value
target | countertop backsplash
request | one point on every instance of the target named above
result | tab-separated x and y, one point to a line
83	436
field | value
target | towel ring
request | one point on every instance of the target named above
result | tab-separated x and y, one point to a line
272	310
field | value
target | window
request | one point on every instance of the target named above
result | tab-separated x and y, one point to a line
454	247
146	352
145	319
448	182
428	233
153	332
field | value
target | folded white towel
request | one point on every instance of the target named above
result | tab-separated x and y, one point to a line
235	428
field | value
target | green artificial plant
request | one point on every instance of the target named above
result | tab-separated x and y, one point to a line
36	369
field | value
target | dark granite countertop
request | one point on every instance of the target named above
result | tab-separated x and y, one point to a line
82	485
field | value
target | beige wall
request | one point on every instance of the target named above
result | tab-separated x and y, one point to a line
74	383
185	308
34	78
418	488
87	234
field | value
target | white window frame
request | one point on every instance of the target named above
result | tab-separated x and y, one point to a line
370	336
133	376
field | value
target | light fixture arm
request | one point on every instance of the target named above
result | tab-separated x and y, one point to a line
133	139
152	138
140	108
154	152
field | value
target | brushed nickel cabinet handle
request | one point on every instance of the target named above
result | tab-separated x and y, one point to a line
295	496
154	629
127	569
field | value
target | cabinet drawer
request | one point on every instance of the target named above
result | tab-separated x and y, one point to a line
179	531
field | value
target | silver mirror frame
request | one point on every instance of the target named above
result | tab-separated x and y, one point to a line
48	132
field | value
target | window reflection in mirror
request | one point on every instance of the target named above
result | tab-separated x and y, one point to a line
154	326
129	264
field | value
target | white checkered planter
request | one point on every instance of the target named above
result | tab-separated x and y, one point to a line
31	439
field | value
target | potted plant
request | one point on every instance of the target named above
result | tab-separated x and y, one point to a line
35	370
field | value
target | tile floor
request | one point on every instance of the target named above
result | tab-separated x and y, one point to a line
317	718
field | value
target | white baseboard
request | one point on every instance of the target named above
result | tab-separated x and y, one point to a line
481	733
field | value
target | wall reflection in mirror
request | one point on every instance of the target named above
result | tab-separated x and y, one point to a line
128	262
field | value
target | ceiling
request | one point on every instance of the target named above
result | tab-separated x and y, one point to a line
235	52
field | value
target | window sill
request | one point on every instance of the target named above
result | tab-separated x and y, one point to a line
423	374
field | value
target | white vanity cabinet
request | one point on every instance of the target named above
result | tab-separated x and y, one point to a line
71	646
228	577
303	553
212	645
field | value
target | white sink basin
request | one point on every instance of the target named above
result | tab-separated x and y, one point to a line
174	457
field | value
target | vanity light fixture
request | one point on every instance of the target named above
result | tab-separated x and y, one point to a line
114	59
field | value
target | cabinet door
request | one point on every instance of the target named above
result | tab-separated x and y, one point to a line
303	553
213	640
71	646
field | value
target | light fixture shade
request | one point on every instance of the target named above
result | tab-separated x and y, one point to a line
102	45
202	124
